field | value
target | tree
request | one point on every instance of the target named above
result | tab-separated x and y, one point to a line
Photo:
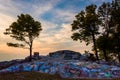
104	45
85	27
109	41
116	23
104	12
25	30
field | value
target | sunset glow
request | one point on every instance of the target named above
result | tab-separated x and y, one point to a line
55	16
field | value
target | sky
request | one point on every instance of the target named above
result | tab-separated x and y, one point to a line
55	16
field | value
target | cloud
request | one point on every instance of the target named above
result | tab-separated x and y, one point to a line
59	36
64	38
40	7
55	17
59	41
64	33
5	21
9	7
64	16
98	2
54	36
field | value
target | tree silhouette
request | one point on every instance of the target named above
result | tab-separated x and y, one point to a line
85	27
104	45
116	23
25	30
109	41
104	13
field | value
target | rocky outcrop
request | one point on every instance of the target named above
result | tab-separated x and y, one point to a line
65	55
6	64
36	56
69	69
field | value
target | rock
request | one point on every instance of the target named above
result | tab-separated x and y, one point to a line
6	64
65	55
68	64
69	69
88	57
36	56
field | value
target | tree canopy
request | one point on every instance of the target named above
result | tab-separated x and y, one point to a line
85	27
100	26
25	30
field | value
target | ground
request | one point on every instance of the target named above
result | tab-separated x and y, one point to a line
36	76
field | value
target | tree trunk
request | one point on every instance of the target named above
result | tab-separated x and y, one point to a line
105	55
119	56
118	49
104	50
30	58
95	48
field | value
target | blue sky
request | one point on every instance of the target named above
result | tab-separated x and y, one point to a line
55	16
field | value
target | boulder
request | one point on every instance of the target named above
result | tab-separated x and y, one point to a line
65	55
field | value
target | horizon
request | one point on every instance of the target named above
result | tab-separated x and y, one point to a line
55	16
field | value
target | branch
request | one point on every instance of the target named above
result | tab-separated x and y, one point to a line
26	42
16	45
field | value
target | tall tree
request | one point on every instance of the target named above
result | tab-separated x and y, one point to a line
116	23
85	27
104	12
104	45
25	30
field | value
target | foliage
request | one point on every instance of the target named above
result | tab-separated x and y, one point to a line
25	30
109	41
104	12
104	45
101	27
116	23
85	27
103	41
